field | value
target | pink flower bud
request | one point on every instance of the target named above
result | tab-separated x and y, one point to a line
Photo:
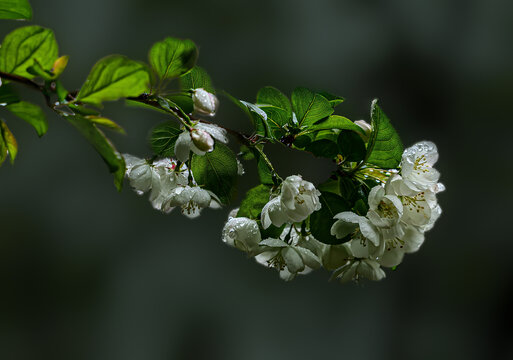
204	102
202	140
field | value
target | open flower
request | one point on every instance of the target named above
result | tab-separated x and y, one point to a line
141	174
199	139
365	238
385	211
204	102
191	200
290	260
395	249
417	166
297	200
357	269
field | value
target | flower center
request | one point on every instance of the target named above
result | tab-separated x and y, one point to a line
395	243
189	207
387	210
421	165
277	262
412	202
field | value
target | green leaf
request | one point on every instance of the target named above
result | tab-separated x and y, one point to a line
107	123
3	149
216	171
173	57
323	148
183	101
336	122
114	77
8	95
257	116
10	142
309	106
163	138
32	114
195	79
103	146
272	96
25	45
351	146
275	121
15	10
264	173
255	199
334	100
321	221
385	148
141	105
331	185
348	188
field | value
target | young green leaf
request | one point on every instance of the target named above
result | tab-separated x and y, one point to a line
271	96
31	113
183	101
333	99
173	57
3	149
216	171
257	116
255	199
323	148
25	45
163	138
385	148
107	123
15	10
321	221
351	146
264	173
114	77
9	141
195	79
8	95
336	122
309	106
103	146
324	144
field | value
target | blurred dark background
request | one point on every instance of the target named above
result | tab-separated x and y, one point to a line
89	273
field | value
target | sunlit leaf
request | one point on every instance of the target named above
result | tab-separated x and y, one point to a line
24	45
114	77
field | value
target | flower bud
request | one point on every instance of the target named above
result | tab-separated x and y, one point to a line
204	102
366	127
202	140
242	233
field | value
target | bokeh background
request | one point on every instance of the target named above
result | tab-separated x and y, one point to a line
90	273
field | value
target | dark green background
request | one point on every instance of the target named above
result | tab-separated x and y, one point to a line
89	273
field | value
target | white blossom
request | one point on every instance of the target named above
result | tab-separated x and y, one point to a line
191	200
242	233
365	237
141	174
396	248
297	200
290	260
385	211
204	102
417	166
357	269
198	140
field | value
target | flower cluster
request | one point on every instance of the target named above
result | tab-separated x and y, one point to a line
399	212
170	185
